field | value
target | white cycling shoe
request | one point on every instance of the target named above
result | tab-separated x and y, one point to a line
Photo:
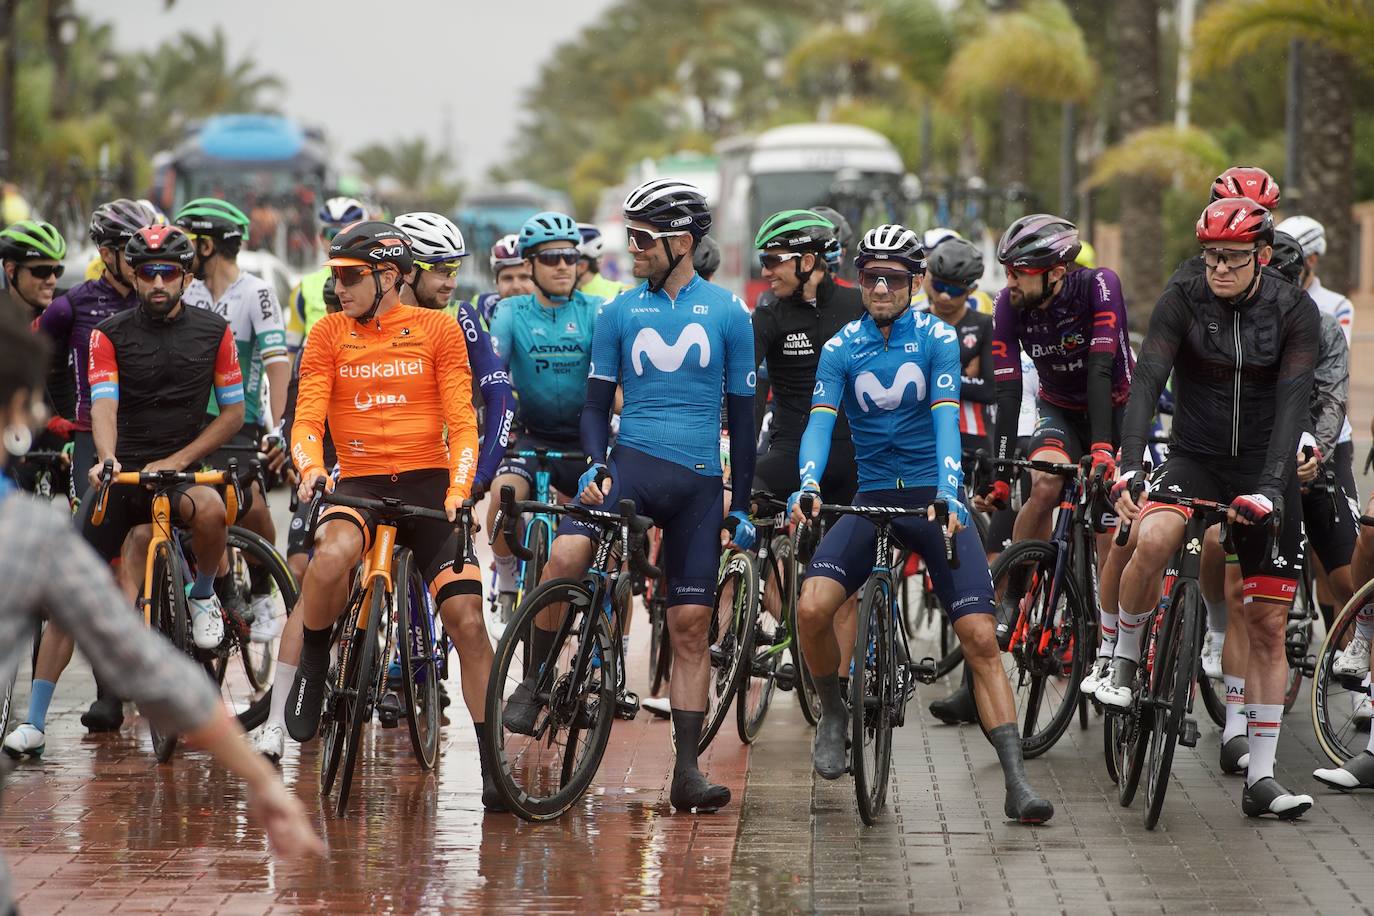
1099	673
25	741
1118	691
270	741
1353	660
267	622
1363	709
1211	654
207	622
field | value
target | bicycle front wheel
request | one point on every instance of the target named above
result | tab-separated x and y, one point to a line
1337	700
171	616
764	654
548	725
360	694
730	638
873	692
419	668
1171	683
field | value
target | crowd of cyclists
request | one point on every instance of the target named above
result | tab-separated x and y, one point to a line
894	392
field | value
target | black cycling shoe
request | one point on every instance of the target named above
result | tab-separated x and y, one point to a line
443	696
521	709
1268	797
1235	755
306	696
389	709
492	802
829	753
956	709
1025	807
1355	773
691	791
105	715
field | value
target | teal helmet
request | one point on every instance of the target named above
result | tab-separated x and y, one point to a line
31	239
548	226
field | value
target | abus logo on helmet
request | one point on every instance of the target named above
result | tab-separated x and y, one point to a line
679	222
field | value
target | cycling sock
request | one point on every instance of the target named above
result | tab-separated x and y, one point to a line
40	698
1129	633
832	699
1364	621
1216	617
481	729
541	644
1265	720
1107	624
281	686
1328	612
686	736
505	573
224	586
204	586
1236	723
316	641
1022	802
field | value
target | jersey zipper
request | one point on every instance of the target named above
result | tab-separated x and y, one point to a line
1235	407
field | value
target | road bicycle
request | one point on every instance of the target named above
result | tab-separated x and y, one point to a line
549	712
1339	702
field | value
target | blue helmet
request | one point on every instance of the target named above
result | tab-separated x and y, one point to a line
548	226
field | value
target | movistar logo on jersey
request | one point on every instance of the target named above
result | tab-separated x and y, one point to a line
396	368
867	388
667	357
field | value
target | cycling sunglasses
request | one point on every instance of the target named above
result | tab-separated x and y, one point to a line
952	290
556	256
351	276
151	272
869	278
1027	271
45	271
643	239
1234	258
774	261
447	268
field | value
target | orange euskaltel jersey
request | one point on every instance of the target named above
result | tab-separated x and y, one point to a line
388	390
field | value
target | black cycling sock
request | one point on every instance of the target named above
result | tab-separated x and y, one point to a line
541	643
686	736
317	641
224	586
1328	613
1022	802
481	729
832	698
259	580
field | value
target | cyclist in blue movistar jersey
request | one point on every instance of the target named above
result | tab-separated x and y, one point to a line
512	273
545	340
675	343
896	374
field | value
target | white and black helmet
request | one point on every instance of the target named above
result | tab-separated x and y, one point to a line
1311	235
433	237
506	252
669	204
892	243
340	211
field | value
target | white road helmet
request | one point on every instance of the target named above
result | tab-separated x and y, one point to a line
1311	235
433	237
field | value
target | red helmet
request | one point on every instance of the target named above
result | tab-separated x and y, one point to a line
1235	219
1247	181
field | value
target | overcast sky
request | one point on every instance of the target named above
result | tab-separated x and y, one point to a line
373	70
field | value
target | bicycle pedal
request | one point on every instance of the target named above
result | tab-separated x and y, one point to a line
627	706
718	659
1188	735
926	670
1309	666
785	678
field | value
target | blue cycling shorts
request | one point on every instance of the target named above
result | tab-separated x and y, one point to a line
845	553
687	506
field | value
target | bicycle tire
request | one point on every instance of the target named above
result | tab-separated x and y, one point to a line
1041	675
419	673
660	645
7	703
170	617
363	689
261	669
871	700
1334	698
729	636
332	725
763	657
1172	684
594	699
1111	727
1295	672
1213	701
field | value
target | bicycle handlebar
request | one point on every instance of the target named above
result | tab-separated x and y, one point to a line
394	510
630	522
807	504
161	480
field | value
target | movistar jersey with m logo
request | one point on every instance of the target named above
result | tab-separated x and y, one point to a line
675	360
901	397
548	352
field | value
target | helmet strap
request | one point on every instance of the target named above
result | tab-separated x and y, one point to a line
886	322
13	280
1244	295
556	300
673	261
371	313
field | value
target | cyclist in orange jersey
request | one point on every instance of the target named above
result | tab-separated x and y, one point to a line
390	379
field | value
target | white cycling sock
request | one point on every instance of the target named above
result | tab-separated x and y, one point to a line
1107	624
1236	723
506	567
1364	621
1216	617
1130	630
281	686
1264	724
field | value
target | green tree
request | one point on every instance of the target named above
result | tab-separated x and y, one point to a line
411	174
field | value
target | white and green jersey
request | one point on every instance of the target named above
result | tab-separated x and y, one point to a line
254	315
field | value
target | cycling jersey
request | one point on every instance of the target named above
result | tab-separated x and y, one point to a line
1339	307
1080	344
1242	377
306	307
980	301
493	382
250	307
548	352
901	394
59	388
1330	386
160	372
388	389
69	321
674	358
789	334
974	330
485	303
602	288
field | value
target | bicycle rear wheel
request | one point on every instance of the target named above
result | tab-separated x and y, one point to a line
1171	686
1336	699
762	658
362	692
872	699
247	548
660	647
785	550
333	726
730	637
541	772
1046	647
1298	635
171	617
419	672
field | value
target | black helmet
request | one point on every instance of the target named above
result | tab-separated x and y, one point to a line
843	232
1287	257
706	258
369	243
958	261
1039	240
159	243
668	204
114	223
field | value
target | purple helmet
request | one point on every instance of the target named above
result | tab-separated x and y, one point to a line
115	222
1039	240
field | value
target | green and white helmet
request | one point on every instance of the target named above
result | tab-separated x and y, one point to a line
30	240
214	218
797	231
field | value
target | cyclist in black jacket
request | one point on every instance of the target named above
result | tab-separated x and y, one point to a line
1242	346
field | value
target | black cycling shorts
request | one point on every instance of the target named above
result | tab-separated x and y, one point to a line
1269	575
1330	521
1342	461
432	542
776	471
563	472
1068	431
126	508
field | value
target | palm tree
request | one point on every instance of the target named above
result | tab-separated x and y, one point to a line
1337	36
1142	213
418	176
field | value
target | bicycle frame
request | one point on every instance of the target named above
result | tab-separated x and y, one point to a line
767	528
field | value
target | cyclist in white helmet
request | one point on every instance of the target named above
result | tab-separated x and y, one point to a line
512	273
589	277
306	304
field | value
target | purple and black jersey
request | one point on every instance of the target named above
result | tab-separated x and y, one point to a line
69	322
